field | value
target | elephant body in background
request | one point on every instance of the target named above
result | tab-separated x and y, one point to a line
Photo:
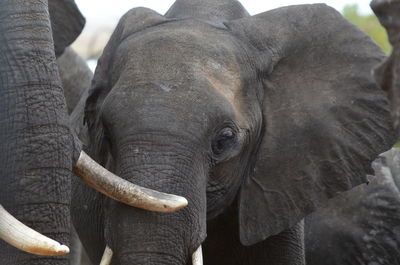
361	226
255	120
75	77
388	74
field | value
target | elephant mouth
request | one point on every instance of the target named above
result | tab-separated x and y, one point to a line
197	256
26	239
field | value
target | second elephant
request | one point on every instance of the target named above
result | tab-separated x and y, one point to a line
361	226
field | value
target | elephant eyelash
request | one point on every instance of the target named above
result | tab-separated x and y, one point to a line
224	143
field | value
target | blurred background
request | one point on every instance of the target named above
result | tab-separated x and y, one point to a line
103	15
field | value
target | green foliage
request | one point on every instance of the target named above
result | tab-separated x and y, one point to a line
369	24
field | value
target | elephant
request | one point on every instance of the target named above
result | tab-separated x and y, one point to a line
256	120
360	226
34	123
387	74
39	149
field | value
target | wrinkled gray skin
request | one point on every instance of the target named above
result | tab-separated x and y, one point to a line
255	120
361	226
388	74
37	146
75	77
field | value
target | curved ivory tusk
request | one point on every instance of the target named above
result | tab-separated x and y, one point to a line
197	257
26	239
107	256
124	191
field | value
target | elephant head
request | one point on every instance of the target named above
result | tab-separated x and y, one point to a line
275	113
38	148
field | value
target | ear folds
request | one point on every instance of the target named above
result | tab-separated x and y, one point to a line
325	120
67	23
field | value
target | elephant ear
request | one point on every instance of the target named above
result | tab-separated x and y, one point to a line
324	119
67	23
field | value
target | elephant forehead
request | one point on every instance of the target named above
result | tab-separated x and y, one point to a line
178	60
175	52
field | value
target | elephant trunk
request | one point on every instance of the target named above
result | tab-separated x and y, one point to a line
36	144
153	244
141	237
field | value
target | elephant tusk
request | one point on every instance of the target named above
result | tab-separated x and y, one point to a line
197	257
26	239
124	191
107	256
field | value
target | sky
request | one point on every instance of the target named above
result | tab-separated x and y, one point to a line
114	9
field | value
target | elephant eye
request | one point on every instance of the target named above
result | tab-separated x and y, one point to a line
224	140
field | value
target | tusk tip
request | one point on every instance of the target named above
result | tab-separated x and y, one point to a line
176	203
107	256
52	249
182	202
197	257
62	250
26	239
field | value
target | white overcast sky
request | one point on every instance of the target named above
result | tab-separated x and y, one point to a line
114	9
